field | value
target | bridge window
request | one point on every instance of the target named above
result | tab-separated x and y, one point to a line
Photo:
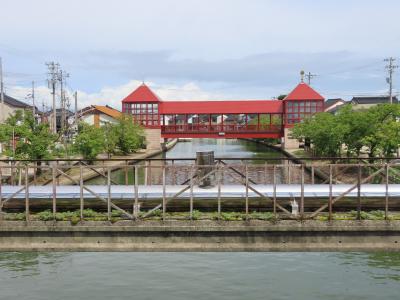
296	111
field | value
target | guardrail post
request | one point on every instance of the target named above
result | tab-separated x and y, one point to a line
359	192
191	192
219	177
1	192
81	190
247	191
126	173
386	191
164	202
274	191
149	173
54	170
302	192
173	172
312	174
330	192
26	194
109	194
136	203
146	171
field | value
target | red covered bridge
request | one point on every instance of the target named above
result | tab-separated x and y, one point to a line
222	118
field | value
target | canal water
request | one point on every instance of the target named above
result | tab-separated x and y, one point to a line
222	148
176	276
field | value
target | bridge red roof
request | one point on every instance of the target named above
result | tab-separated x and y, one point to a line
221	107
142	94
303	92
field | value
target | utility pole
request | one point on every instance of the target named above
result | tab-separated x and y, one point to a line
310	76
2	114
62	78
76	108
33	101
53	78
390	67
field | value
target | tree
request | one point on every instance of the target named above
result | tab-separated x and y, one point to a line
282	96
89	141
324	132
130	135
110	138
356	126
33	141
380	119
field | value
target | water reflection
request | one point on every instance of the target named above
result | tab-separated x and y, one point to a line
29	263
379	265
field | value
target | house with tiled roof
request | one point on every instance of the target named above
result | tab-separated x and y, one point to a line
332	105
11	105
369	101
98	115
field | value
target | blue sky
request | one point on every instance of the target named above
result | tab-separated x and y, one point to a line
200	49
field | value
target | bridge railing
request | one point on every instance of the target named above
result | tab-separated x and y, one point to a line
139	189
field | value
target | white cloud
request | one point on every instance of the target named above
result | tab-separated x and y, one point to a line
113	96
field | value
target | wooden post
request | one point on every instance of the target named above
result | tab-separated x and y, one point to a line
330	192
149	182
219	167
247	191
265	173
191	192
81	190
54	183
173	172
312	174
386	191
136	203
109	194
58	179
34	172
145	172
274	193
302	192
26	194
164	200
1	192
12	173
359	192
126	173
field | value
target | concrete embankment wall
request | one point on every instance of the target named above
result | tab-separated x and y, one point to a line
201	236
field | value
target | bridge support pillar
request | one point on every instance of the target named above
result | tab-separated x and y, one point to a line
153	138
287	142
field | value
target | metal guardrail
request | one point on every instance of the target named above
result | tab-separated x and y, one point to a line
165	172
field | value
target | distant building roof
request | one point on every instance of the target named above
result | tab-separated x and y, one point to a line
142	94
330	102
15	103
303	92
108	110
372	100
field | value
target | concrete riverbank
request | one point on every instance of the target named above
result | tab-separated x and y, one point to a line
197	235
